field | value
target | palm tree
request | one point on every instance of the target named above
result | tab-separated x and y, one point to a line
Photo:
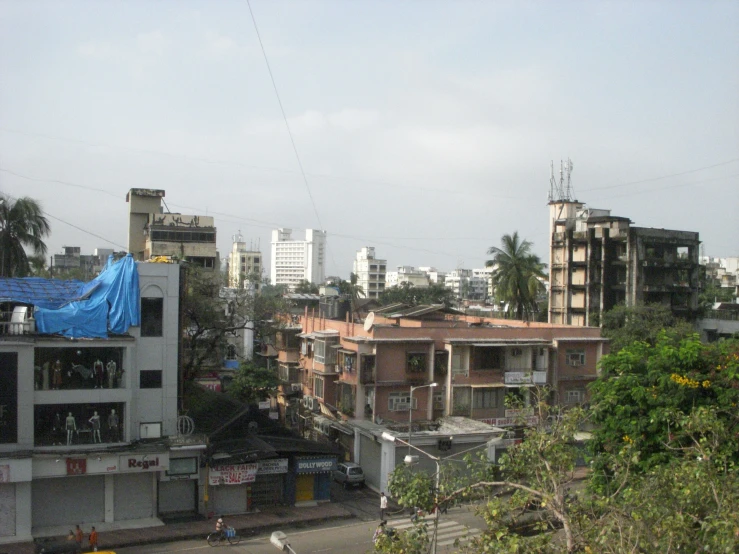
516	275
22	224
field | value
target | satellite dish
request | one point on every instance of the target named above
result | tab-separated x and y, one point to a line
369	321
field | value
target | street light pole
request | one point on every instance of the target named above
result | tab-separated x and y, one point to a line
392	438
410	413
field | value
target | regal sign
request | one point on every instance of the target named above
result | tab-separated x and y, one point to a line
145	462
236	474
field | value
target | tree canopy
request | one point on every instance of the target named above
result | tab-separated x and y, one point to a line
625	325
406	293
22	225
516	276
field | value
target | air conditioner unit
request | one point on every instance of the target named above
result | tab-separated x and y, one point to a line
296	387
402	406
315	405
307	402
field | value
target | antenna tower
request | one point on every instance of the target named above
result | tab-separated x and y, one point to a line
561	190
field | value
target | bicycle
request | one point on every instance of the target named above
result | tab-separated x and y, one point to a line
228	534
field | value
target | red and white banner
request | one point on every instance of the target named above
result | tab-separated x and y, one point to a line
233	474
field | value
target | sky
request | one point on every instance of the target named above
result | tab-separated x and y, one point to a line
424	128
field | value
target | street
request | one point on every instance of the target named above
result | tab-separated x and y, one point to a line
352	537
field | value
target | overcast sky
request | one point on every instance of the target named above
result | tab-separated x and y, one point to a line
426	129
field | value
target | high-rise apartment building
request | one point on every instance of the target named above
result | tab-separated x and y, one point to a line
598	261
370	272
243	263
294	261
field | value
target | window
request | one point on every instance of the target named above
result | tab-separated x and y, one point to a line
182	466
574	396
416	362
439	400
318	387
150	379
575	358
231	352
485	398
324	354
441	362
489	358
398	401
152	317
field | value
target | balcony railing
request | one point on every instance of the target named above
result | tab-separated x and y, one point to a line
525	378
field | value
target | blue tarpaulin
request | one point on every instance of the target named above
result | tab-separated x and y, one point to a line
108	303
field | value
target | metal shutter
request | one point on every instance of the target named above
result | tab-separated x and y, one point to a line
229	499
371	461
132	498
177	496
67	501
7	510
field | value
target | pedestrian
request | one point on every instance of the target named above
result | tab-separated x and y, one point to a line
94	539
71	537
78	536
383	505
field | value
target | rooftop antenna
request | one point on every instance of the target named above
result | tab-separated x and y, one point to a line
569	192
561	190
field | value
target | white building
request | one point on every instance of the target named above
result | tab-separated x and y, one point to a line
243	262
487	274
465	285
406	274
370	272
435	276
294	261
83	433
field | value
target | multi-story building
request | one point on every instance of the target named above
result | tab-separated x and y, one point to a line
486	273
82	266
406	274
294	261
466	285
434	275
152	232
598	261
243	262
88	398
366	371
370	272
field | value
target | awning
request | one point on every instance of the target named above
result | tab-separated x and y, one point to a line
346	351
325	411
486	386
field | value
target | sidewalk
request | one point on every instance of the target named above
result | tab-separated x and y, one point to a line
246	525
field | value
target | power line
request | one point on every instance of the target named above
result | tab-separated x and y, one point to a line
663	176
704	181
125	248
284	116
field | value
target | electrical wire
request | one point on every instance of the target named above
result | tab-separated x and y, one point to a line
52	216
284	116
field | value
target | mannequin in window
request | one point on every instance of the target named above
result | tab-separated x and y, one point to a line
95	422
71	426
45	376
113	426
111	368
98	372
56	379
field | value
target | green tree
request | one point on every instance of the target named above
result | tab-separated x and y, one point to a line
516	275
38	267
406	293
625	325
306	287
22	225
643	387
253	383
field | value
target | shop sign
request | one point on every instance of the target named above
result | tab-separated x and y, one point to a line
319	465
274	415
76	466
5	473
8	397
271	467
146	462
210	384
265	405
510	421
233	474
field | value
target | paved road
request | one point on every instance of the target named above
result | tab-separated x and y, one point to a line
352	537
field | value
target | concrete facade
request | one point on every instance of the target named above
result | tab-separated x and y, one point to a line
243	262
598	261
152	232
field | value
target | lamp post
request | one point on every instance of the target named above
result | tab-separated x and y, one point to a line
410	413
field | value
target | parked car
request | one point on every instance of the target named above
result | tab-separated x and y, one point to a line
56	546
349	474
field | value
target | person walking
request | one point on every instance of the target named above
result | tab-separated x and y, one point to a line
78	536
383	505
94	540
